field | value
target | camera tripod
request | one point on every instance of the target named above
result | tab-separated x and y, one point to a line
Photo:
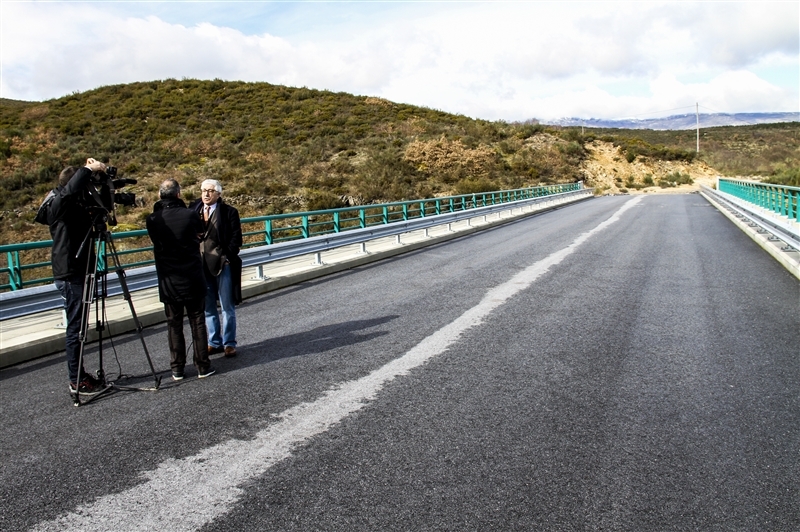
95	290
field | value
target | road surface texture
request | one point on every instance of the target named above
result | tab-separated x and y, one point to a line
626	363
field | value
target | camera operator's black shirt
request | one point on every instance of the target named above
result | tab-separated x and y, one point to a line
70	223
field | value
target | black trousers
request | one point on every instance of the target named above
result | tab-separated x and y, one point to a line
195	311
72	292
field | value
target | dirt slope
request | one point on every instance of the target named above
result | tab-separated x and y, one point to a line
609	172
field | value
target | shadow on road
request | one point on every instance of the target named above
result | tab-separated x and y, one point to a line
309	342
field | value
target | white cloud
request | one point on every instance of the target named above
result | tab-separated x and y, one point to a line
497	61
743	33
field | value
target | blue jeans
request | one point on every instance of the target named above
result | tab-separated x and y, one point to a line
221	288
72	293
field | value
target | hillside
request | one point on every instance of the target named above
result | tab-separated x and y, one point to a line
278	149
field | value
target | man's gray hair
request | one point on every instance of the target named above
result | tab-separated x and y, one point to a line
169	189
212	183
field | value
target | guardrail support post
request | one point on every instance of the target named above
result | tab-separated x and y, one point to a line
259	276
63	324
318	259
14	271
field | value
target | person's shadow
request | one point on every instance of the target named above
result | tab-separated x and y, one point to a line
303	343
309	342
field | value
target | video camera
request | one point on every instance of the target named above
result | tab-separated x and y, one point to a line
103	190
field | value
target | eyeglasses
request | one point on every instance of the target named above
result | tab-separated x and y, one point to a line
209	191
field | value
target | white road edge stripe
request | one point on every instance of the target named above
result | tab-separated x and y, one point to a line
211	478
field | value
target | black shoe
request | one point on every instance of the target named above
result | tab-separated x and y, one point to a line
85	387
96	383
207	373
177	376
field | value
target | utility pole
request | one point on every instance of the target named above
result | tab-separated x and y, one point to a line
697	114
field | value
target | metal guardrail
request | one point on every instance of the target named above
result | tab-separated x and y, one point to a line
277	228
787	231
782	200
37	299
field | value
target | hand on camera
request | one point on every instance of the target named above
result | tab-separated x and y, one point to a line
95	166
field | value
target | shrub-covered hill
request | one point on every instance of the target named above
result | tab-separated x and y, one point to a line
275	149
279	149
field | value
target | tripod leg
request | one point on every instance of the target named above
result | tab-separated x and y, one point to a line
89	289
94	281
101	282
127	296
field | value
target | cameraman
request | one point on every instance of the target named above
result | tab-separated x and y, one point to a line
70	225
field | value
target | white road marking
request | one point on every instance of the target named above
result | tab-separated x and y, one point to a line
211	478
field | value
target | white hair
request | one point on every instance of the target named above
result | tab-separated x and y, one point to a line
214	183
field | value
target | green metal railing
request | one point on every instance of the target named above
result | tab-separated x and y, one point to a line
779	199
26	265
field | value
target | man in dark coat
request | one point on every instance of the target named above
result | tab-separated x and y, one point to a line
72	255
176	231
222	238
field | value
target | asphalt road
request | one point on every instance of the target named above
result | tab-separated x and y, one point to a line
618	364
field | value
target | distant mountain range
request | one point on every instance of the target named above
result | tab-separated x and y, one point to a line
685	121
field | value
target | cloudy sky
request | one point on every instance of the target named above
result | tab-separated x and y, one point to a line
492	60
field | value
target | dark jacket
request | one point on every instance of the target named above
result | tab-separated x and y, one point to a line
70	223
175	231
224	232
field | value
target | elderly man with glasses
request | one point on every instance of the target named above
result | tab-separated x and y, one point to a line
222	239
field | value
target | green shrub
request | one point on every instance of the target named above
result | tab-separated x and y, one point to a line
323	200
674	179
475	186
789	177
528	130
573	149
635	147
630	182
